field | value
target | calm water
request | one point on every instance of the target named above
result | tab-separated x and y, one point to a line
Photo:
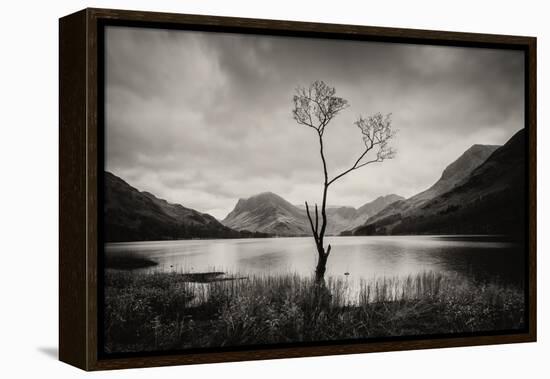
481	258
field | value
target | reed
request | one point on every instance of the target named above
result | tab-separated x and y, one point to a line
158	311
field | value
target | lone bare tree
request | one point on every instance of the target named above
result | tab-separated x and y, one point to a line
315	107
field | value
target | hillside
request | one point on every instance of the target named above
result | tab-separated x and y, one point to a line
488	200
131	215
270	213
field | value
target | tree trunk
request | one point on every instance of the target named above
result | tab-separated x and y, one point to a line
318	236
319	232
321	266
323	255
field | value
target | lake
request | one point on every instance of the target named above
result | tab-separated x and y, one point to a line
367	257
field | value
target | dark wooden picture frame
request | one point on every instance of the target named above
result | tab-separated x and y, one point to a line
80	163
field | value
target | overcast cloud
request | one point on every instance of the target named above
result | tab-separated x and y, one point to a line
203	119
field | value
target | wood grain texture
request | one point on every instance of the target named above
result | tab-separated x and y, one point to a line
72	189
266	26
297	352
93	207
80	142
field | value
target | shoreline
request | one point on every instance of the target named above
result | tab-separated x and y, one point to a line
502	237
158	311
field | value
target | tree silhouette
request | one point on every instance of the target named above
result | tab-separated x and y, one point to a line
315	107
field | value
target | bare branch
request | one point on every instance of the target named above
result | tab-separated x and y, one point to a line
313	229
316	106
377	132
316	218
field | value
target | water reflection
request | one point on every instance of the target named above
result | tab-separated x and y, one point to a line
478	257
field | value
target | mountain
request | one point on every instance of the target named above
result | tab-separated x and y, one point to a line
339	218
131	215
484	198
270	213
370	209
347	218
457	171
452	175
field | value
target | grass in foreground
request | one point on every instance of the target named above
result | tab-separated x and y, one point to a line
159	311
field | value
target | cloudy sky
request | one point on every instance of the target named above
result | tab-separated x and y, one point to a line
203	119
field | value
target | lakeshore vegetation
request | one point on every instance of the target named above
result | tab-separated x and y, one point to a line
151	311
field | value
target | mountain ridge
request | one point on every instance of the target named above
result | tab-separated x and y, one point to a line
268	212
487	200
132	215
453	174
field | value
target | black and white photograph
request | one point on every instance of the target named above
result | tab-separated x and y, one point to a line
267	190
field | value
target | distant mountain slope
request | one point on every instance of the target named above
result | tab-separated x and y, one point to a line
131	215
270	213
339	218
490	199
452	175
371	209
